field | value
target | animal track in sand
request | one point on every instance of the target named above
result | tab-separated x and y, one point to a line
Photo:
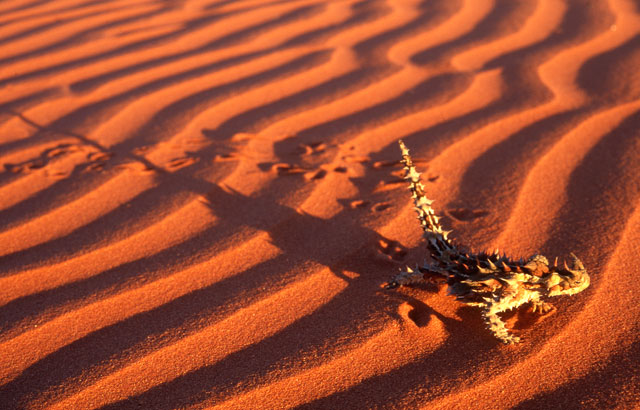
309	174
137	166
314	175
283	168
397	175
225	157
391	251
416	313
43	160
25	167
312	148
61	149
381	206
98	160
100	156
359	203
179	163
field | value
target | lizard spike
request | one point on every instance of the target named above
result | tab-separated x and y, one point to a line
564	264
505	267
424	201
555	262
492	266
577	264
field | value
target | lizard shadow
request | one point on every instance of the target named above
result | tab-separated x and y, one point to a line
297	235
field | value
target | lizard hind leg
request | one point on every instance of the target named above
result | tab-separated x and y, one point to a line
497	326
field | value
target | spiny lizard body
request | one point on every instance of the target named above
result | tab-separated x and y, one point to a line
490	281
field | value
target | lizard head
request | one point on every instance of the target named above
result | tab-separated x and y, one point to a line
568	280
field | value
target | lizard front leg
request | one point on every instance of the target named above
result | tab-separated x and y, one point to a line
542	307
406	277
497	326
424	273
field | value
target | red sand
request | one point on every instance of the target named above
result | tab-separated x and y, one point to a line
200	199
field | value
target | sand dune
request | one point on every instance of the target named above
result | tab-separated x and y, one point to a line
200	200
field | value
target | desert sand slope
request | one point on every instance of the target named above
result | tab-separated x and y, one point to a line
200	201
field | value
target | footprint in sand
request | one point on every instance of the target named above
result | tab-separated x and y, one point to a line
416	313
179	163
225	157
43	160
57	173
359	203
315	175
137	166
25	167
98	160
94	166
61	149
312	148
283	168
362	204
100	156
390	251
397	175
381	206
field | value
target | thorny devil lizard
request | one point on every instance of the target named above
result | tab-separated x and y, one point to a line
489	281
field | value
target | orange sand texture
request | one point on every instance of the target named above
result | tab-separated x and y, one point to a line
200	199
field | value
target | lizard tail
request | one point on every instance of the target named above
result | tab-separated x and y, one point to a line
441	249
440	246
